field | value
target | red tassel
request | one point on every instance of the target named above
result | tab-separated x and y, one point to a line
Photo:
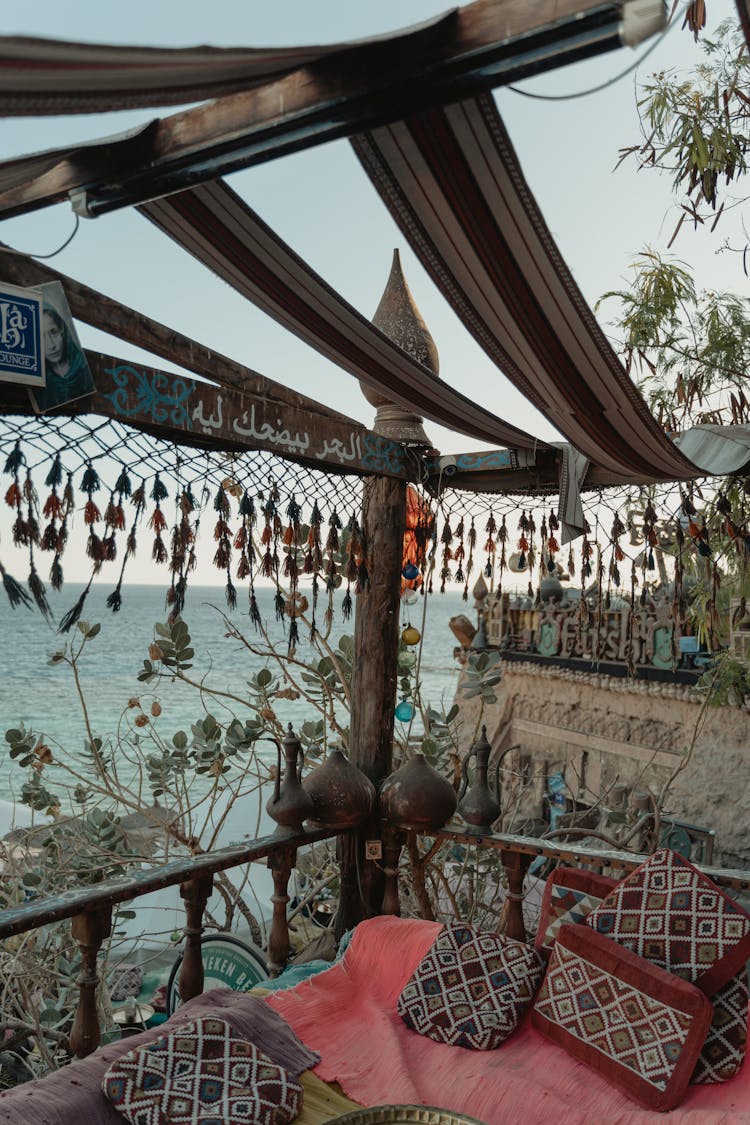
91	513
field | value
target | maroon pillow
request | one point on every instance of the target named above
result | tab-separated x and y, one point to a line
634	1023
569	897
724	1050
673	915
471	988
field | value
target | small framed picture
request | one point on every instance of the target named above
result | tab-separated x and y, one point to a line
68	376
21	344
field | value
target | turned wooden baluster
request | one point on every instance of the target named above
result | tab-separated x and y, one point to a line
194	893
393	841
89	930
280	864
511	917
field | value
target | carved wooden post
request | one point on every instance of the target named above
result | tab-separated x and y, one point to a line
376	632
194	893
89	931
280	863
393	841
511	922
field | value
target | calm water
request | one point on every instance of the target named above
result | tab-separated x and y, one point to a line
43	697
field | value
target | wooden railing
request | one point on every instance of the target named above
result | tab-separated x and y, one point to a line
90	909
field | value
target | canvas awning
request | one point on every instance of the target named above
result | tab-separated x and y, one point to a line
454	185
220	230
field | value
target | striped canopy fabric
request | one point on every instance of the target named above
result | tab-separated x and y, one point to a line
452	181
220	230
51	76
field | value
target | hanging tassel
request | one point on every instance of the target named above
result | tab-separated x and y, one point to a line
38	591
346	605
15	459
15	591
293	634
254	611
90	481
114	600
158	490
56	574
278	605
231	593
69	619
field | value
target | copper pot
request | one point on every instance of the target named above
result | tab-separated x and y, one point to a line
417	796
342	795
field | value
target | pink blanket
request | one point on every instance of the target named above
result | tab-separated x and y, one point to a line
348	1015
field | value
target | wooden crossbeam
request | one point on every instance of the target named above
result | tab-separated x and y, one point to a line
475	48
245	411
194	413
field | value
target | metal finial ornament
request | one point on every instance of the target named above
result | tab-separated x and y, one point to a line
398	318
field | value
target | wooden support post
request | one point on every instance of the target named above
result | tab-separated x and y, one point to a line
374	685
511	921
89	930
194	893
280	863
393	841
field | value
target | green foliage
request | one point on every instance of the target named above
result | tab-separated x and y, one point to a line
171	649
481	676
727	681
696	127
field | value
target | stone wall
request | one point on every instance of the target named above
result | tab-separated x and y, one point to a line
604	732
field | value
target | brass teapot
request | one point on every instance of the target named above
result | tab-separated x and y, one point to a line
290	805
477	805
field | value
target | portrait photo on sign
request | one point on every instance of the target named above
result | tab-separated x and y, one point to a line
68	376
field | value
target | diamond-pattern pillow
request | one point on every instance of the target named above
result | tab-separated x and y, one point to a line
471	988
569	897
639	1026
201	1074
673	915
724	1050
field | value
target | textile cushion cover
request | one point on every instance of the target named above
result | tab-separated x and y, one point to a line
201	1074
670	913
471	988
639	1026
569	896
724	1050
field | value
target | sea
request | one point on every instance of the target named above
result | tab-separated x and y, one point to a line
42	696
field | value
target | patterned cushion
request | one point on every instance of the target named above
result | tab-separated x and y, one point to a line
670	913
471	988
636	1024
724	1050
569	896
201	1074
125	980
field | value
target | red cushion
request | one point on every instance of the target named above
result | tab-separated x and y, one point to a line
201	1073
634	1023
569	897
724	1050
471	988
673	915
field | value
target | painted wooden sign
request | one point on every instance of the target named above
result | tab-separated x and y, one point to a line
21	350
200	414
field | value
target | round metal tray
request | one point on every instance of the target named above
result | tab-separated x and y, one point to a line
404	1115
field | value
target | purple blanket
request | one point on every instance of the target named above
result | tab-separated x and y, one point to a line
72	1095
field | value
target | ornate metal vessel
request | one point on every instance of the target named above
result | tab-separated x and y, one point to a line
342	795
290	804
477	805
417	796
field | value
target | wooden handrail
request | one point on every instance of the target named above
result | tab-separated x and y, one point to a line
123	888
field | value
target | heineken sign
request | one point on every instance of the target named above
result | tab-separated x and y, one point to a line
21	350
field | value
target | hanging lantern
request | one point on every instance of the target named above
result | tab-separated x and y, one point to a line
404	711
410	572
411	636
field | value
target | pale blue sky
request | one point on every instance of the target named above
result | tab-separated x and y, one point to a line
322	203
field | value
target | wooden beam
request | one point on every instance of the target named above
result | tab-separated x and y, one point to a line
198	414
477	47
136	328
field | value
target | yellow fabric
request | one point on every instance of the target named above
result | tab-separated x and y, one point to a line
322	1101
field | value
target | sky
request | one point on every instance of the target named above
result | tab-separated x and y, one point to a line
322	203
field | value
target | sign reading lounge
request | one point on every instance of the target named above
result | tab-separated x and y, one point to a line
21	351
